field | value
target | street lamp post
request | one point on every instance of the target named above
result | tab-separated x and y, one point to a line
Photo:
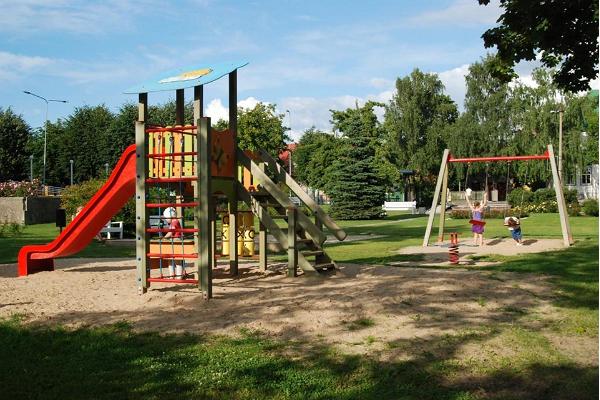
106	168
560	113
289	150
31	168
71	162
45	126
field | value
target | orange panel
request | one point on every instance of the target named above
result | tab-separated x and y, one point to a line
223	147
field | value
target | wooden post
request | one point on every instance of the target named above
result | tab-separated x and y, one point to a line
141	169
262	247
198	102
438	187
205	210
443	205
233	201
198	107
560	200
262	237
179	107
292	242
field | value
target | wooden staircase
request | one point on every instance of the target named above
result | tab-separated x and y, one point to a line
302	237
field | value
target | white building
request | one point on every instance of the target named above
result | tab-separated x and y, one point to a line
585	182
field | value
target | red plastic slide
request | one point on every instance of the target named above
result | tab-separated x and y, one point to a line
119	187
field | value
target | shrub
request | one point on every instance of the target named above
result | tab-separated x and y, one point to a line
571	196
11	229
19	189
520	196
590	207
543	195
573	209
78	195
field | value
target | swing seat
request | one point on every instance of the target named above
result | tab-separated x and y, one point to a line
476	222
518	220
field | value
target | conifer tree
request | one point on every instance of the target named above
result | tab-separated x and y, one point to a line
357	191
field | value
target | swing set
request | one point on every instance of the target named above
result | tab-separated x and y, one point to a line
442	187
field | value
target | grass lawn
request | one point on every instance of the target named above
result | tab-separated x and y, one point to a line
522	356
45	233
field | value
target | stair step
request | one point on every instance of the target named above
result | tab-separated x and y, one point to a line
260	193
324	266
312	253
281	216
266	204
305	241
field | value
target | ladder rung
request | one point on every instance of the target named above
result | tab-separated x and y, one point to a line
166	230
176	179
172	256
165	205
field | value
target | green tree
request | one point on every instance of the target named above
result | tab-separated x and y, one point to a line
564	32
416	120
164	114
84	140
120	133
356	190
220	125
314	157
262	127
14	136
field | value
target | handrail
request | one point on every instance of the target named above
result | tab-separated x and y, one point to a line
338	232
276	231
281	197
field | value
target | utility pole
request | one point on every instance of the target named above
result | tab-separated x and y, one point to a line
560	113
71	161
31	168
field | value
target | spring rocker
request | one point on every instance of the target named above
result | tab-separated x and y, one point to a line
453	254
178	174
442	186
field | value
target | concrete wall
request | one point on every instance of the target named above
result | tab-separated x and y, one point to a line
12	210
28	210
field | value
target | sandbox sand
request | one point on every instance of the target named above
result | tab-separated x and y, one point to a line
437	253
401	303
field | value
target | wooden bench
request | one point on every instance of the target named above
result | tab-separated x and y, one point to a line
113	227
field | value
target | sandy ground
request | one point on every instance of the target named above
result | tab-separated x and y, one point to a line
403	304
437	254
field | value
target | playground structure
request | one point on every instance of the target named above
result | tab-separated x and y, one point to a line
188	168
441	189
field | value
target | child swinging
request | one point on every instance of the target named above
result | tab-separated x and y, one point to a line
477	217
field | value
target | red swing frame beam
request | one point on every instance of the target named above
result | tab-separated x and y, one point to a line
544	156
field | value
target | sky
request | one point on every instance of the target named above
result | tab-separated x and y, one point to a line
305	56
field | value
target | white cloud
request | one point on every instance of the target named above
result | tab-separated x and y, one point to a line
306	112
13	66
454	82
249	103
461	13
216	110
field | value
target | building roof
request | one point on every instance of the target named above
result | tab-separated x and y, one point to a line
187	77
285	154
